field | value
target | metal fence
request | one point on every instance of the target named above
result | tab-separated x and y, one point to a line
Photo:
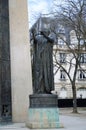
62	103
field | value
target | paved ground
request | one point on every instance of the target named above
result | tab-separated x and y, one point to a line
69	120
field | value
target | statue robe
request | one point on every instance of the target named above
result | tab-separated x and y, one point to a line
43	81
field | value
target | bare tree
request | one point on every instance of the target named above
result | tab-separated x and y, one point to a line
71	15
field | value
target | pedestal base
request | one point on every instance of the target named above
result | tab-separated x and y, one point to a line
43	118
43	111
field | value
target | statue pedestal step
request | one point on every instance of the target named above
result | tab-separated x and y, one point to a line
40	118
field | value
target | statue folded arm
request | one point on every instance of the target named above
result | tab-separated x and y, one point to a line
50	39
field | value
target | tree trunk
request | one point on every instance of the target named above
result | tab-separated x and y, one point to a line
74	99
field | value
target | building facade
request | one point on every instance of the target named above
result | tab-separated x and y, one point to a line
67	60
62	83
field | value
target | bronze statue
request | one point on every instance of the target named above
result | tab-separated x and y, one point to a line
42	68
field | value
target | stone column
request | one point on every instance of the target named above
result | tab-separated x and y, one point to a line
21	80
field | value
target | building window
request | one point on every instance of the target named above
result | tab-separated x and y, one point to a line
83	58
63	93
62	57
81	41
60	41
81	93
62	75
81	75
61	29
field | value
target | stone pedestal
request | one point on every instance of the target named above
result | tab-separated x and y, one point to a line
43	112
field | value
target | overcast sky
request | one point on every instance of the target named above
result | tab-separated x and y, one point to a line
37	7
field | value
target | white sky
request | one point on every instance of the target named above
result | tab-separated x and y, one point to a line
37	7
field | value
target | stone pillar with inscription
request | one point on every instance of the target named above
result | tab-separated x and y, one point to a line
15	63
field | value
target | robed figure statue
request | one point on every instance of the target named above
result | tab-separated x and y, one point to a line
43	102
42	65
